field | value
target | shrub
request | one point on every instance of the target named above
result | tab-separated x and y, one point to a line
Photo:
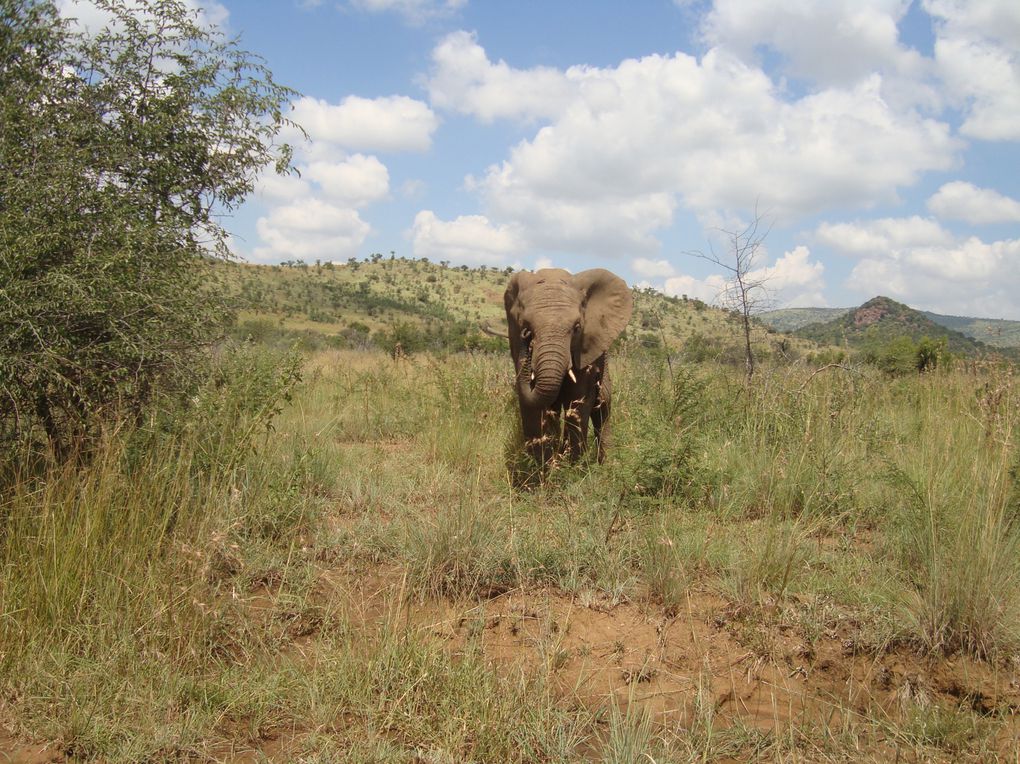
113	180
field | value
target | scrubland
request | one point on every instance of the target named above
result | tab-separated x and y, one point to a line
343	557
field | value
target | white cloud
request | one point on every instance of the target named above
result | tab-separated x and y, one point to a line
543	262
960	200
412	188
707	290
918	262
91	19
414	11
393	123
310	229
653	268
884	235
792	280
355	182
836	42
281	188
624	146
995	20
470	239
464	80
336	180
977	50
969	277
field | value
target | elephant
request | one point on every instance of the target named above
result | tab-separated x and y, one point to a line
560	327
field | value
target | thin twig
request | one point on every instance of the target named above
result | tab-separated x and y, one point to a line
820	369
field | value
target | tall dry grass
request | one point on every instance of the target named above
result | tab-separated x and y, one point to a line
124	625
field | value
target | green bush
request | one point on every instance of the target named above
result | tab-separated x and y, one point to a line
113	182
902	355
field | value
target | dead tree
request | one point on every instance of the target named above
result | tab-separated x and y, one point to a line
745	292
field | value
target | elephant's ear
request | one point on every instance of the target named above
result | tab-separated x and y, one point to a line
519	283
608	305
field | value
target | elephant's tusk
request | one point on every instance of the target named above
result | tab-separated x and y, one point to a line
532	377
570	373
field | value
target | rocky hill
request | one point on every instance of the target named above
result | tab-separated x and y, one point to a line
880	320
995	332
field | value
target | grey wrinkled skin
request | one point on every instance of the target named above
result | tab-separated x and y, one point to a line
558	323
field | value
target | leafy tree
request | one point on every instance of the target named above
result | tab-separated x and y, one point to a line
897	357
119	151
901	355
932	354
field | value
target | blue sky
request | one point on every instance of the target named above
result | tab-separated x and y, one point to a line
879	138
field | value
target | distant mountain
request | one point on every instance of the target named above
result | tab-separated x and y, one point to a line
880	320
791	319
996	332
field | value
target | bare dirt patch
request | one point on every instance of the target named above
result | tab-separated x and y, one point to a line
712	662
13	751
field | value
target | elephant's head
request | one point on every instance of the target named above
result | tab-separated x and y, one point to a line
560	323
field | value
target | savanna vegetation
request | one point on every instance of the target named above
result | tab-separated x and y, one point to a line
274	541
813	568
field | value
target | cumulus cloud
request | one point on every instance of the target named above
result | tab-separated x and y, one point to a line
623	147
336	179
464	80
918	262
708	289
310	229
92	19
969	277
392	123
960	200
653	268
837	42
793	280
977	50
470	239
872	237
354	182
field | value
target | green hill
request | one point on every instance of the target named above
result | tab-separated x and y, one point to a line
791	319
991	331
996	332
384	299
881	320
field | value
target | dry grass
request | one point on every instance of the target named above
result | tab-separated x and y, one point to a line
815	569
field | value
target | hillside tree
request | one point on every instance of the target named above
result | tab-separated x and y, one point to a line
120	151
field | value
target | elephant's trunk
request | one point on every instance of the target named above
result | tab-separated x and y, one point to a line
548	364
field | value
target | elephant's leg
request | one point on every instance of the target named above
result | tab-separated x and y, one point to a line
575	429
552	436
531	427
541	428
600	417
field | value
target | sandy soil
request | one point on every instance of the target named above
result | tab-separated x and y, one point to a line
708	664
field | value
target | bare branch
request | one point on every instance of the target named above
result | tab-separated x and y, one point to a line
493	332
745	293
